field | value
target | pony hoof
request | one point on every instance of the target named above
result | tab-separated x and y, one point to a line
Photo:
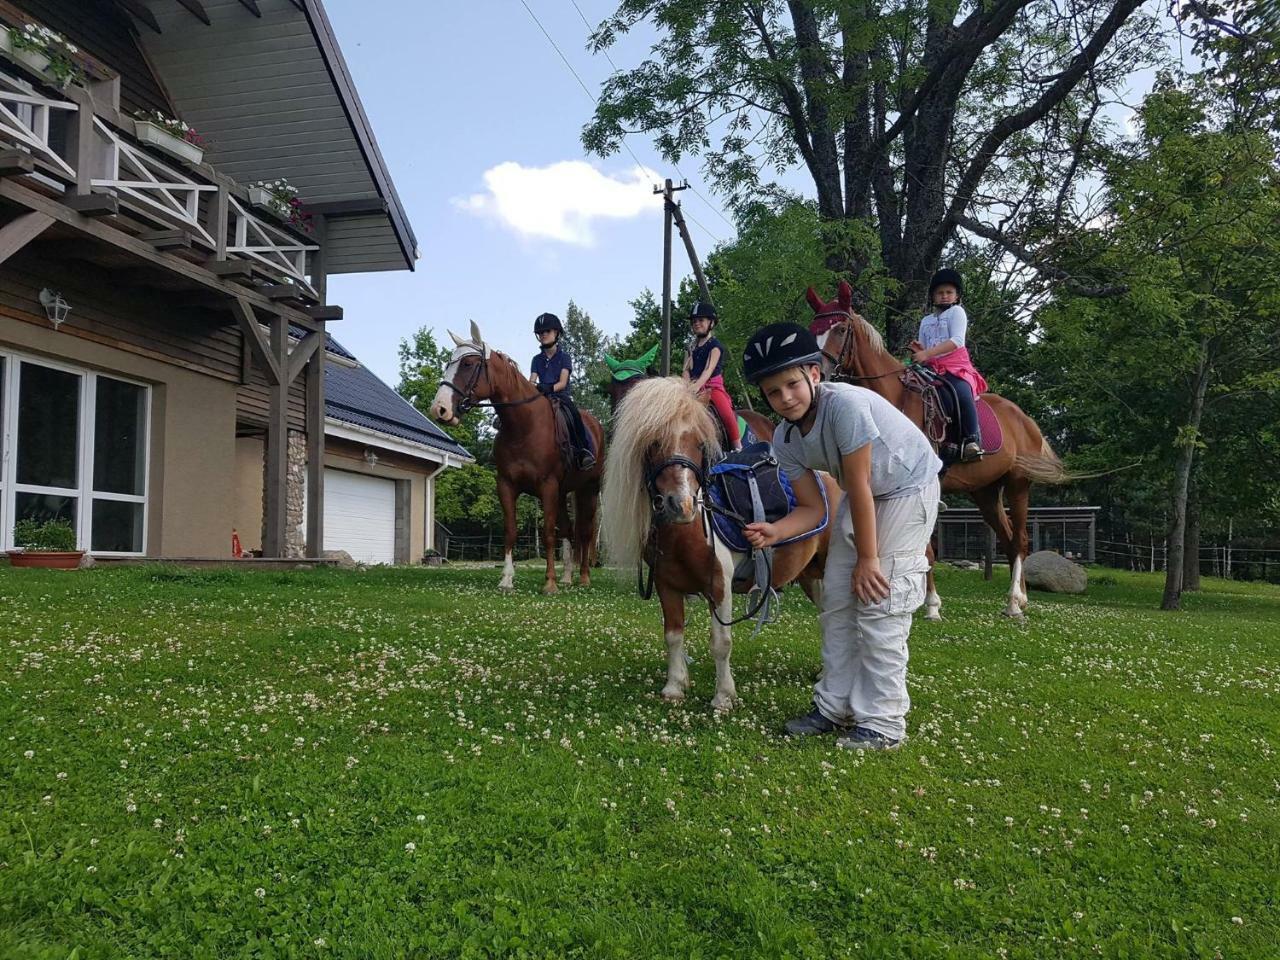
671	695
550	589
934	616
723	703
1015	614
584	582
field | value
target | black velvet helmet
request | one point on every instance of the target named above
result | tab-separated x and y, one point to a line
778	346
946	275
547	321
704	309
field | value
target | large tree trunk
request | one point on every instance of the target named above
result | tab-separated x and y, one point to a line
1191	539
1181	482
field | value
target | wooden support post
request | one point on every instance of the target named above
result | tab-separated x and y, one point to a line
80	149
276	494
315	448
666	280
20	231
320	260
693	254
219	212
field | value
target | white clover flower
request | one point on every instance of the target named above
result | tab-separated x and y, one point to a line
260	893
410	847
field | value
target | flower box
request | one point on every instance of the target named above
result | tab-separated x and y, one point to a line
46	559
170	143
264	199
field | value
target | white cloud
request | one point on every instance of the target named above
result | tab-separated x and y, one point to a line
560	201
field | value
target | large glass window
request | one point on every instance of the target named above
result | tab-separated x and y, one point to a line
75	449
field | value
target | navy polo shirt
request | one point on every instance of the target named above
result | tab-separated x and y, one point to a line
702	354
547	370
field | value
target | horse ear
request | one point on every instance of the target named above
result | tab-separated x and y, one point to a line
846	296
457	340
815	301
649	356
611	363
476	336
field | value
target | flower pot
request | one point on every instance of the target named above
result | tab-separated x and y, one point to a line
265	200
169	143
33	60
46	559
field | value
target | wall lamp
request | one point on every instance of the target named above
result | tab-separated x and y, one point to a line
55	307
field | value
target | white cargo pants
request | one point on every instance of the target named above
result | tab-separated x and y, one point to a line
864	646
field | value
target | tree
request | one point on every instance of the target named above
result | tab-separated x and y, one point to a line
1193	203
586	345
915	118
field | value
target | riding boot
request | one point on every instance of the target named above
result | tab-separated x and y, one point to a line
970	450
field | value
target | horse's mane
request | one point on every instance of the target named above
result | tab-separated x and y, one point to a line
874	338
651	418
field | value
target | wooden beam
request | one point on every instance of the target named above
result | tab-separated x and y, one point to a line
26	197
315	451
348	208
252	7
276	507
93	204
284	291
16	163
229	268
328	312
302	354
197	10
252	330
167	239
141	12
17	233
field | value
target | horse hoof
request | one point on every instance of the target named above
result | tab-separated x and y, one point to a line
933	616
550	589
673	696
723	703
1015	614
584	582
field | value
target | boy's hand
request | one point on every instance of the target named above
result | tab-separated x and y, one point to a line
869	584
760	534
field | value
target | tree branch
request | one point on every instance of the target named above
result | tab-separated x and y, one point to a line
1047	271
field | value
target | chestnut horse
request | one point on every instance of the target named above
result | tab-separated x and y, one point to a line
855	352
653	510
803	561
525	451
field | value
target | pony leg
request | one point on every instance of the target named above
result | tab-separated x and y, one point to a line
550	498
566	558
721	635
673	630
507	497
932	602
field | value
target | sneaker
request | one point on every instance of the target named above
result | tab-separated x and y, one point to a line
812	724
863	738
970	452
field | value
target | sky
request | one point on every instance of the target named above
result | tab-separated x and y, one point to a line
479	121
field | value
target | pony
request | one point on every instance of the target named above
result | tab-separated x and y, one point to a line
663	442
854	351
807	558
526	452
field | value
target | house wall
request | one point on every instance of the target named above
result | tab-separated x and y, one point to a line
192	436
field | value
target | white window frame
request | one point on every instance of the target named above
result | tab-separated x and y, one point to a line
84	491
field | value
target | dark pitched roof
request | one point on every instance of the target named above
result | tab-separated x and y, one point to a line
354	395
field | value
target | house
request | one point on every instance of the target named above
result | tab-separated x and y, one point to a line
147	293
381	461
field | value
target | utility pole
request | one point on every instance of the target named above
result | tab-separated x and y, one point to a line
669	208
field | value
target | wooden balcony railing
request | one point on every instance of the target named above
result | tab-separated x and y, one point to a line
81	148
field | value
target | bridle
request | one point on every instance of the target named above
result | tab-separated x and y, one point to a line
468	401
699	471
842	362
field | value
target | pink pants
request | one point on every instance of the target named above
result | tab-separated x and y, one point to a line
714	388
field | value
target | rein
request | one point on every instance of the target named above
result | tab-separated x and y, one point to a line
469	402
844	361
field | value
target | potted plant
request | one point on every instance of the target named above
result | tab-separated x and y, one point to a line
172	136
432	558
45	543
43	51
280	198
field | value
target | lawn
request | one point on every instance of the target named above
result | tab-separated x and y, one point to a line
405	763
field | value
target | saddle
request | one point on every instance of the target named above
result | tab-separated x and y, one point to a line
941	423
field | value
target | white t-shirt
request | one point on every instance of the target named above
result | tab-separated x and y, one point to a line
850	417
951	324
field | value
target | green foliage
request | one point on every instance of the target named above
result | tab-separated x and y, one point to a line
407	763
587	346
44	535
422	364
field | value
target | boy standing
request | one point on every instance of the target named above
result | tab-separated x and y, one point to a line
874	578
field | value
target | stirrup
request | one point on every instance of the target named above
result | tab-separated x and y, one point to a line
970	451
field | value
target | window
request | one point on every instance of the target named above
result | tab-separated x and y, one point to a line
74	448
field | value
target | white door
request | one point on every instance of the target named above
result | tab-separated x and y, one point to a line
360	516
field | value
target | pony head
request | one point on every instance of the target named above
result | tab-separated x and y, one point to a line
828	314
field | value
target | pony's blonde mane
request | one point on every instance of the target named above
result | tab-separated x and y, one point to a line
654	416
874	337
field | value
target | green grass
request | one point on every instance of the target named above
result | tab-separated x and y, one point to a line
225	764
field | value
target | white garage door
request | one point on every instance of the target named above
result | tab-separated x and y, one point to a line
360	516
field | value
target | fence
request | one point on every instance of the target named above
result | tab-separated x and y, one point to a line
1231	561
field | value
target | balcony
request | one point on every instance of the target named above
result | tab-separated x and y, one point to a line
71	147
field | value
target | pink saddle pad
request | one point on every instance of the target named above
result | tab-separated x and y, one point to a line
989	424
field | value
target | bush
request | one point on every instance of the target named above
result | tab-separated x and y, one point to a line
46	535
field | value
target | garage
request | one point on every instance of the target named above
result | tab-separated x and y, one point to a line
360	516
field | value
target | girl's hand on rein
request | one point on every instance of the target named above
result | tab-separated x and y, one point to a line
760	534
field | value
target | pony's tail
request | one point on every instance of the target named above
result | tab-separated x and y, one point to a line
1045	467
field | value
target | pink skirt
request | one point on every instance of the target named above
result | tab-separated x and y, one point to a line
958	364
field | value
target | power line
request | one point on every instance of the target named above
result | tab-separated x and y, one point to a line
696	192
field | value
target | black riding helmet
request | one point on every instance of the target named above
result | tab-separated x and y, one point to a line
704	309
547	321
778	347
946	275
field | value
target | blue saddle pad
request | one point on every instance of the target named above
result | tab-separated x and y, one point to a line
729	489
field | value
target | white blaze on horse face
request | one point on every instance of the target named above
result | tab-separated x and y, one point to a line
508	573
442	405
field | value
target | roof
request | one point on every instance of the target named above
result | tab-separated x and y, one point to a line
273	97
354	395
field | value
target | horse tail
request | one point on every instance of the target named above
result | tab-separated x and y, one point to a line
1044	467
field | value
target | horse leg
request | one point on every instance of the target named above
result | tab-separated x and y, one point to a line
564	531
722	635
550	497
988	501
585	525
673	630
932	602
1019	499
507	497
